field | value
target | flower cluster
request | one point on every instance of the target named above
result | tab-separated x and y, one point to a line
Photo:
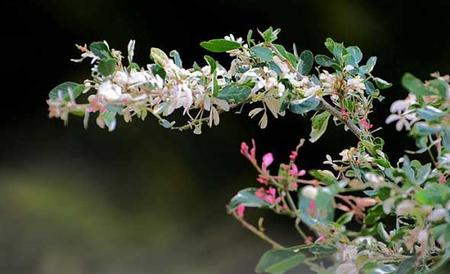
262	74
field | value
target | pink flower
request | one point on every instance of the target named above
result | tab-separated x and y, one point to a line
293	155
244	148
240	210
260	193
312	207
267	160
262	180
344	112
249	155
365	123
271	196
295	172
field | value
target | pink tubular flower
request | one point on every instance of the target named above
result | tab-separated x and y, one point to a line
365	123
293	155
295	172
262	180
271	196
312	207
260	193
344	112
240	210
267	160
249	155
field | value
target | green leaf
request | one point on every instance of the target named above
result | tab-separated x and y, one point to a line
306	62
211	62
440	87
291	58
425	129
337	49
107	66
324	176
345	218
279	260
430	113
270	35
247	198
235	93
262	53
319	125
220	45
433	194
407	266
324	60
382	84
415	85
159	56
356	53
323	249
304	105
158	70
64	90
369	66
446	137
374	214
382	232
100	49
176	58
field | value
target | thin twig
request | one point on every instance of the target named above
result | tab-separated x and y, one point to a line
333	111
257	232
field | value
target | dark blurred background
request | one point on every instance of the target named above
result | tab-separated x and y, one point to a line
144	199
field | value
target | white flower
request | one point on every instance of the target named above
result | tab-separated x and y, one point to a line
121	78
328	80
374	179
310	192
345	153
356	84
445	159
312	91
402	105
231	38
281	89
137	78
109	91
437	215
403	120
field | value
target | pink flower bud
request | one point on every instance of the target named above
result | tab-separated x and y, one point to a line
262	180
293	155
240	210
267	160
244	149
365	123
